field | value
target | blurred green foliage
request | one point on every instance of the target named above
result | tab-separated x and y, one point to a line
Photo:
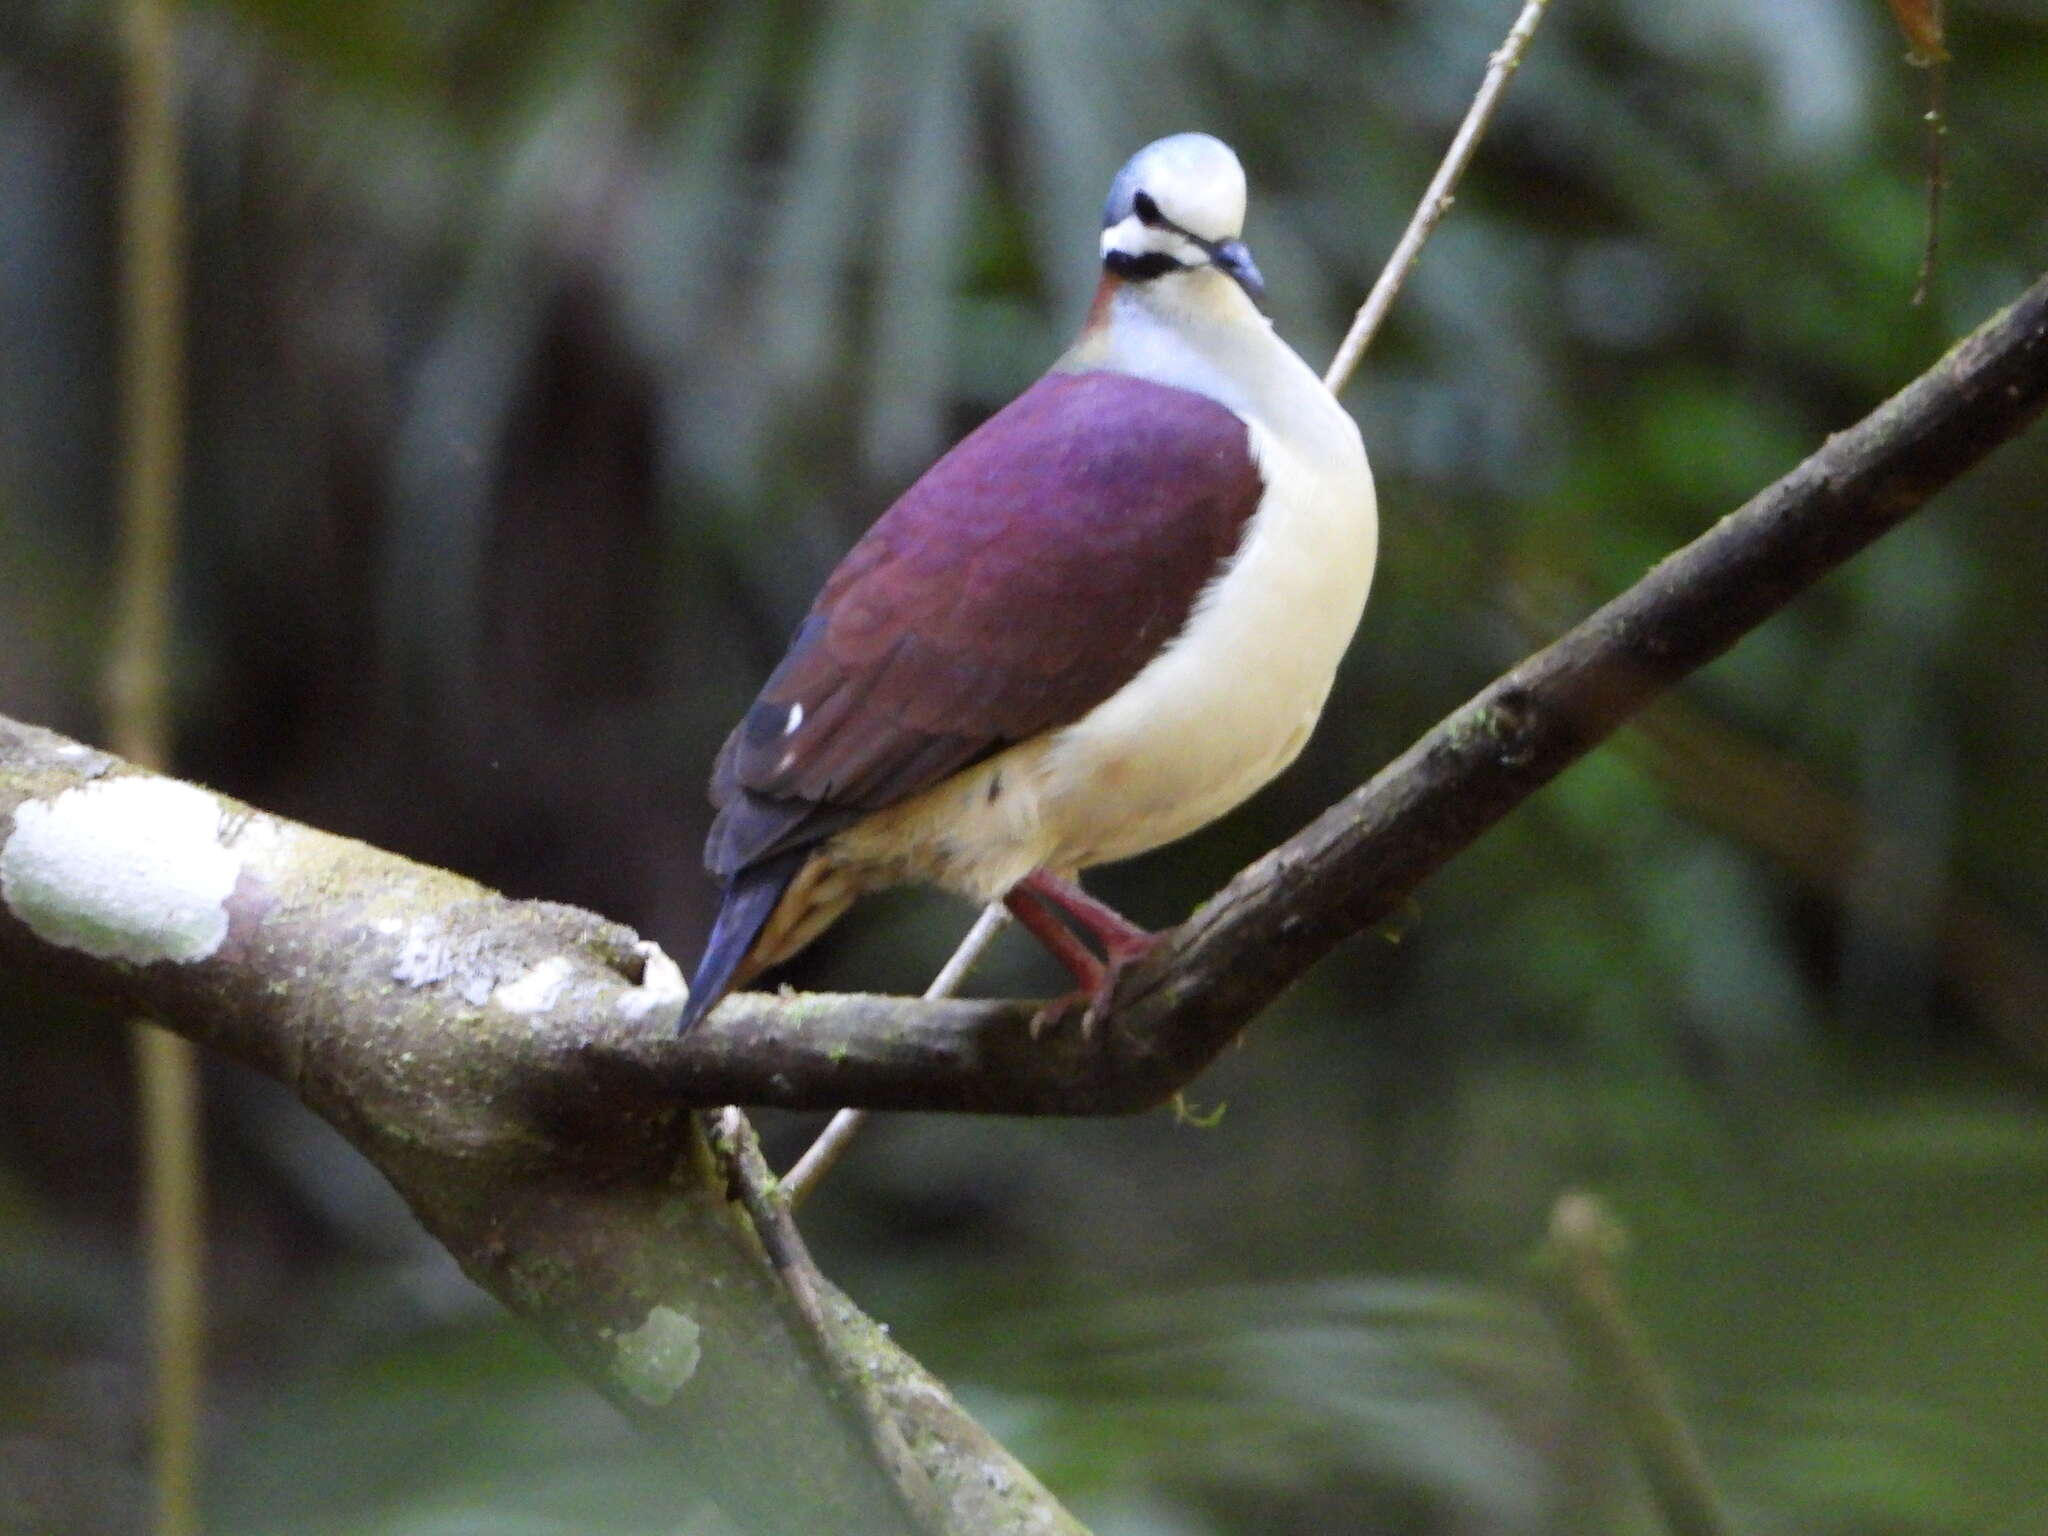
545	356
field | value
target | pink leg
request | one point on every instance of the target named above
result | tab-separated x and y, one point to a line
1036	899
1038	920
1119	937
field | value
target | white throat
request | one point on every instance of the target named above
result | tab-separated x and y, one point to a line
1197	330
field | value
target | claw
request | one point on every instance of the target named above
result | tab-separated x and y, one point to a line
1034	900
1095	1001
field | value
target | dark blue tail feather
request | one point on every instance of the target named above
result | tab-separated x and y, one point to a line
749	902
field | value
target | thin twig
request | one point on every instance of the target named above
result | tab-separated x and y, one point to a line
174	1255
1926	27
749	1181
833	1141
138	710
1937	170
152	390
1579	1259
1437	200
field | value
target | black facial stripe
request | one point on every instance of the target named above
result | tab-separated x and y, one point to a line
1148	214
1141	267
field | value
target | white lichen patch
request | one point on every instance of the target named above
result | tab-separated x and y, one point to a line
256	838
425	955
661	984
539	989
655	1360
430	955
132	868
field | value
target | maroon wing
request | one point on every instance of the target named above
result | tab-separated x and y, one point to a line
1024	579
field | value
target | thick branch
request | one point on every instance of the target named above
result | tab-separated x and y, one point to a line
413	1009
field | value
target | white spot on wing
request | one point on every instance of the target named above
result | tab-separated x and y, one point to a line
127	868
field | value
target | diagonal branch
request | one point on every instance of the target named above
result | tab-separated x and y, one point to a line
1355	865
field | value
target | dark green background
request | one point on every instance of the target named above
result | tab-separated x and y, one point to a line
543	359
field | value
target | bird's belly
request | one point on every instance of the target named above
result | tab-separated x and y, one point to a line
1129	798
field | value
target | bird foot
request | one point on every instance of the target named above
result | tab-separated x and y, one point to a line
1034	901
1092	1002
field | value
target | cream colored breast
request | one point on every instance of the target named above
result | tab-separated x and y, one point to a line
1232	701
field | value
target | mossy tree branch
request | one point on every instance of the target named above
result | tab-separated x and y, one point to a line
412	1009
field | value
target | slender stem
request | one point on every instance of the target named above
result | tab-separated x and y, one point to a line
138	708
1937	166
1436	201
732	1138
174	1241
1579	1257
838	1135
821	1156
137	674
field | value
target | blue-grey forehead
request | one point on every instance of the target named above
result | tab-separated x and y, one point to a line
1123	191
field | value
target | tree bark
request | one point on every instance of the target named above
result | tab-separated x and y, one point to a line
412	1009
